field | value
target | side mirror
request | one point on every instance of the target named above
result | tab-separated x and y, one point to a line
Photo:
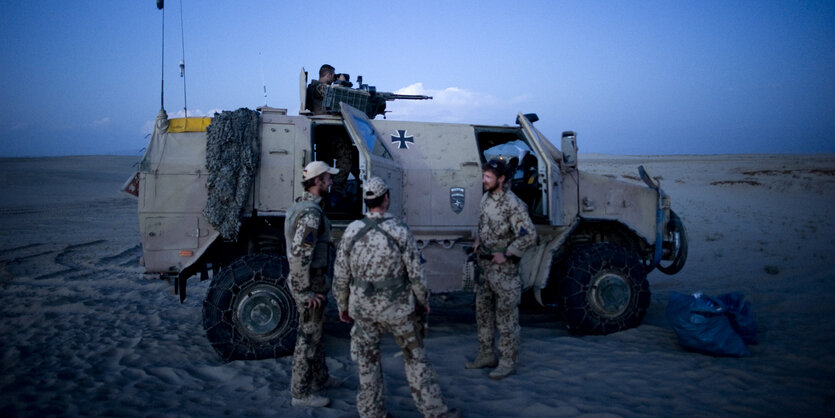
531	117
569	149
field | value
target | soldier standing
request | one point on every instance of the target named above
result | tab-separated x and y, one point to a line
310	253
379	284
505	231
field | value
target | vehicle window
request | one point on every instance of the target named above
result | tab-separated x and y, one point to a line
507	151
374	145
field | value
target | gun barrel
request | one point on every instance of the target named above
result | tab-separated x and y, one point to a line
392	96
412	97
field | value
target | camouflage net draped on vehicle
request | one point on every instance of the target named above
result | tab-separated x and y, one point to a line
232	154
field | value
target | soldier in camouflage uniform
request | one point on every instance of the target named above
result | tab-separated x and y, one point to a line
505	231
310	252
316	89
379	284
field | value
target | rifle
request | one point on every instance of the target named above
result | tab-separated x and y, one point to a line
473	276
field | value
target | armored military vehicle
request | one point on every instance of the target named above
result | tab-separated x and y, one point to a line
213	193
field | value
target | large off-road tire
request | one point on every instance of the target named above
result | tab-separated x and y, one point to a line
604	290
678	240
248	312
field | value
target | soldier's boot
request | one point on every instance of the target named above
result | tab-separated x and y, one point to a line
482	360
312	401
505	369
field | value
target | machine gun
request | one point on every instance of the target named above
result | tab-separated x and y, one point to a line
377	101
365	98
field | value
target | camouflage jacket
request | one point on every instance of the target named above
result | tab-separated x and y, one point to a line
315	97
379	277
309	246
504	224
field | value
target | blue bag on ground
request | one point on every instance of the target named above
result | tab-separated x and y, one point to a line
703	324
740	315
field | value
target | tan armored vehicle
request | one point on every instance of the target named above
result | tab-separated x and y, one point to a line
212	201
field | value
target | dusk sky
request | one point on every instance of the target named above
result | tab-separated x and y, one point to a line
630	77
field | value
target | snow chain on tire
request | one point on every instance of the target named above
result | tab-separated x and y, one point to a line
249	313
604	290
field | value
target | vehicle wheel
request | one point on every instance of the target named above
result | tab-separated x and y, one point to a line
604	290
679	242
248	312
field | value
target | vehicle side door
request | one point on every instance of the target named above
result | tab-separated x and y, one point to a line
375	159
276	174
549	172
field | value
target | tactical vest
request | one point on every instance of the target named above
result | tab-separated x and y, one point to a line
393	287
324	251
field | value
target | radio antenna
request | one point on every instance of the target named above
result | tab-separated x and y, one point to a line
160	6
264	83
183	60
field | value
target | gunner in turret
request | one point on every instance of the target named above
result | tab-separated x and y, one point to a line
316	89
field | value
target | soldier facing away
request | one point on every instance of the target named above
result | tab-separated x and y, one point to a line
310	254
505	231
379	284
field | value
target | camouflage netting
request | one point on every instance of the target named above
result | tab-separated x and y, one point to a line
232	153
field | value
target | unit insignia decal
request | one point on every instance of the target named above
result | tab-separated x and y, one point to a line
456	199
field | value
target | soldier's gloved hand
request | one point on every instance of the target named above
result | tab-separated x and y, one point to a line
316	301
344	317
499	258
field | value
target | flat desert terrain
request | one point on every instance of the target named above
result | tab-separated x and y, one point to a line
83	332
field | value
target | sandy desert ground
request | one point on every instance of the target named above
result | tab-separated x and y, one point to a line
84	333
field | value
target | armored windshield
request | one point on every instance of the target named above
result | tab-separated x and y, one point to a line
360	122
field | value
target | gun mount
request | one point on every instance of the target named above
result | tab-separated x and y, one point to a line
365	98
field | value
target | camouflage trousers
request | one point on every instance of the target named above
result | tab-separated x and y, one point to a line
309	369
497	300
365	349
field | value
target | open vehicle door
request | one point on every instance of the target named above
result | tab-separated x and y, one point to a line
375	158
549	172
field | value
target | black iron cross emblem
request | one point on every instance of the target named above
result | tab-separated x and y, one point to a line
402	139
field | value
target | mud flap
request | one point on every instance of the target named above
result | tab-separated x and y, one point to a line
659	214
180	287
131	186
